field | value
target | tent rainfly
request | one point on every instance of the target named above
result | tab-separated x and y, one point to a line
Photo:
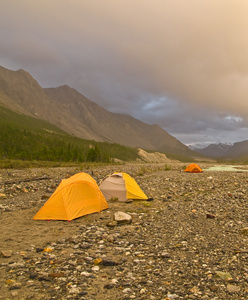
75	197
193	168
121	186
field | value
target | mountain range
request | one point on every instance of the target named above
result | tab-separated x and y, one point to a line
71	111
214	150
237	150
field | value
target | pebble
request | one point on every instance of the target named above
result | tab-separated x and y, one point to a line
6	253
224	275
244	231
233	288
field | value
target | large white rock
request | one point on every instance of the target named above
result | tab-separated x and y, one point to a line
122	218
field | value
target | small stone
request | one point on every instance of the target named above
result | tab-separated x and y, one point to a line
165	255
14	293
72	263
74	290
39	250
112	224
143	291
88	259
224	275
15	286
55	275
127	291
172	296
210	216
109	262
194	290
244	231
109	286
114	281
44	278
6	254
233	288
97	261
86	274
95	268
48	250
33	275
10	281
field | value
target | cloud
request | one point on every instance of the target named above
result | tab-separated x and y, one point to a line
180	64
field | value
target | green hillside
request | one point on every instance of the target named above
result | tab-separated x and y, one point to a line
27	138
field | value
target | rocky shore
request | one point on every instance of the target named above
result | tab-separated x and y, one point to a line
190	242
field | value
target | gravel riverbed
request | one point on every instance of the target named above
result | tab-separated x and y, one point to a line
189	242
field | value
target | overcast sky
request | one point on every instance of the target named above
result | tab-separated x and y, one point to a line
182	64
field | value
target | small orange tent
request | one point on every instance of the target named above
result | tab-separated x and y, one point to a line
76	196
193	168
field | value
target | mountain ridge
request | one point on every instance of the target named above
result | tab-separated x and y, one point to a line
237	150
71	111
214	150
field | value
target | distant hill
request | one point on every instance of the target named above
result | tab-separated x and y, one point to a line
75	114
214	150
238	150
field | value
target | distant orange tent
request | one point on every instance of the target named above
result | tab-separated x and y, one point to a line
75	197
193	168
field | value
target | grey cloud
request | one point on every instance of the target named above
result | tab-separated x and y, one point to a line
180	64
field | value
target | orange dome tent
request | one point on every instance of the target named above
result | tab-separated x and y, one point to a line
193	168
75	197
